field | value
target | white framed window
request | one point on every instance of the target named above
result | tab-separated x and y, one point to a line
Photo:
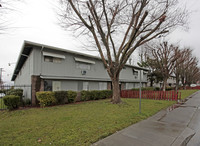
83	66
86	86
102	86
48	59
57	60
56	85
52	59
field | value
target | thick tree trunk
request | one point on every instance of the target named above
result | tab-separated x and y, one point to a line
177	83
164	84
116	91
151	83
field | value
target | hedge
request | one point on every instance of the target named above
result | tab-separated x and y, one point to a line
11	101
95	94
3	91
71	95
169	88
46	98
61	97
17	92
145	89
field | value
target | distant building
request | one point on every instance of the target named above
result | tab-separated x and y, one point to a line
48	68
171	82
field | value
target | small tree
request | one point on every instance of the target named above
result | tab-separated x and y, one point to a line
118	27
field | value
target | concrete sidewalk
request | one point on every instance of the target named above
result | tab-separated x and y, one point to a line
178	127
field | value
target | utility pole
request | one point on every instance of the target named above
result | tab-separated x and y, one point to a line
140	91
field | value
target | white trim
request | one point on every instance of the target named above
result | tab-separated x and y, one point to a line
84	60
53	55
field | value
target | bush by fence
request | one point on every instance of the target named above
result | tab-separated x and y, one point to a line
11	101
145	89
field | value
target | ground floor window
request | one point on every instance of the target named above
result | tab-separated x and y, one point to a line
47	85
56	85
102	86
50	85
85	85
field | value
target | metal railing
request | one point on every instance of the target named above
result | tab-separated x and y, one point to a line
5	89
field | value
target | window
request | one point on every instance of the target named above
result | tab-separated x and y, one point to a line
57	60
56	85
52	59
85	86
102	86
47	85
48	59
83	66
135	73
129	86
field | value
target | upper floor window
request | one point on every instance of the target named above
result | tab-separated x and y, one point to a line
52	59
83	66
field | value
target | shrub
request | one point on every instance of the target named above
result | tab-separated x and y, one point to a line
144	89
46	98
71	95
11	101
3	91
95	94
107	93
157	89
26	102
17	92
61	97
169	88
85	95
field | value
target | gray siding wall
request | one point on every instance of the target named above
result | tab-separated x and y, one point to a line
24	76
67	68
78	85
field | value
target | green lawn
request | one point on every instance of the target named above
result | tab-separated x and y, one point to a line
186	93
75	124
2	105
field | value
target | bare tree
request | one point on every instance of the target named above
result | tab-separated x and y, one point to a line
118	27
6	7
164	57
182	63
191	72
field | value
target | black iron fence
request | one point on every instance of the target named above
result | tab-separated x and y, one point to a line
26	98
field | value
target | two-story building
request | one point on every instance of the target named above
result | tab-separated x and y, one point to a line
48	68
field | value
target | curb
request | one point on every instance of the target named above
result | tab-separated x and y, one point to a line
184	137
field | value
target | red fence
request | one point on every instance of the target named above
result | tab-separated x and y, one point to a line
156	95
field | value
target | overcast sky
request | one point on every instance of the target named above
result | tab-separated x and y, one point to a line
35	20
